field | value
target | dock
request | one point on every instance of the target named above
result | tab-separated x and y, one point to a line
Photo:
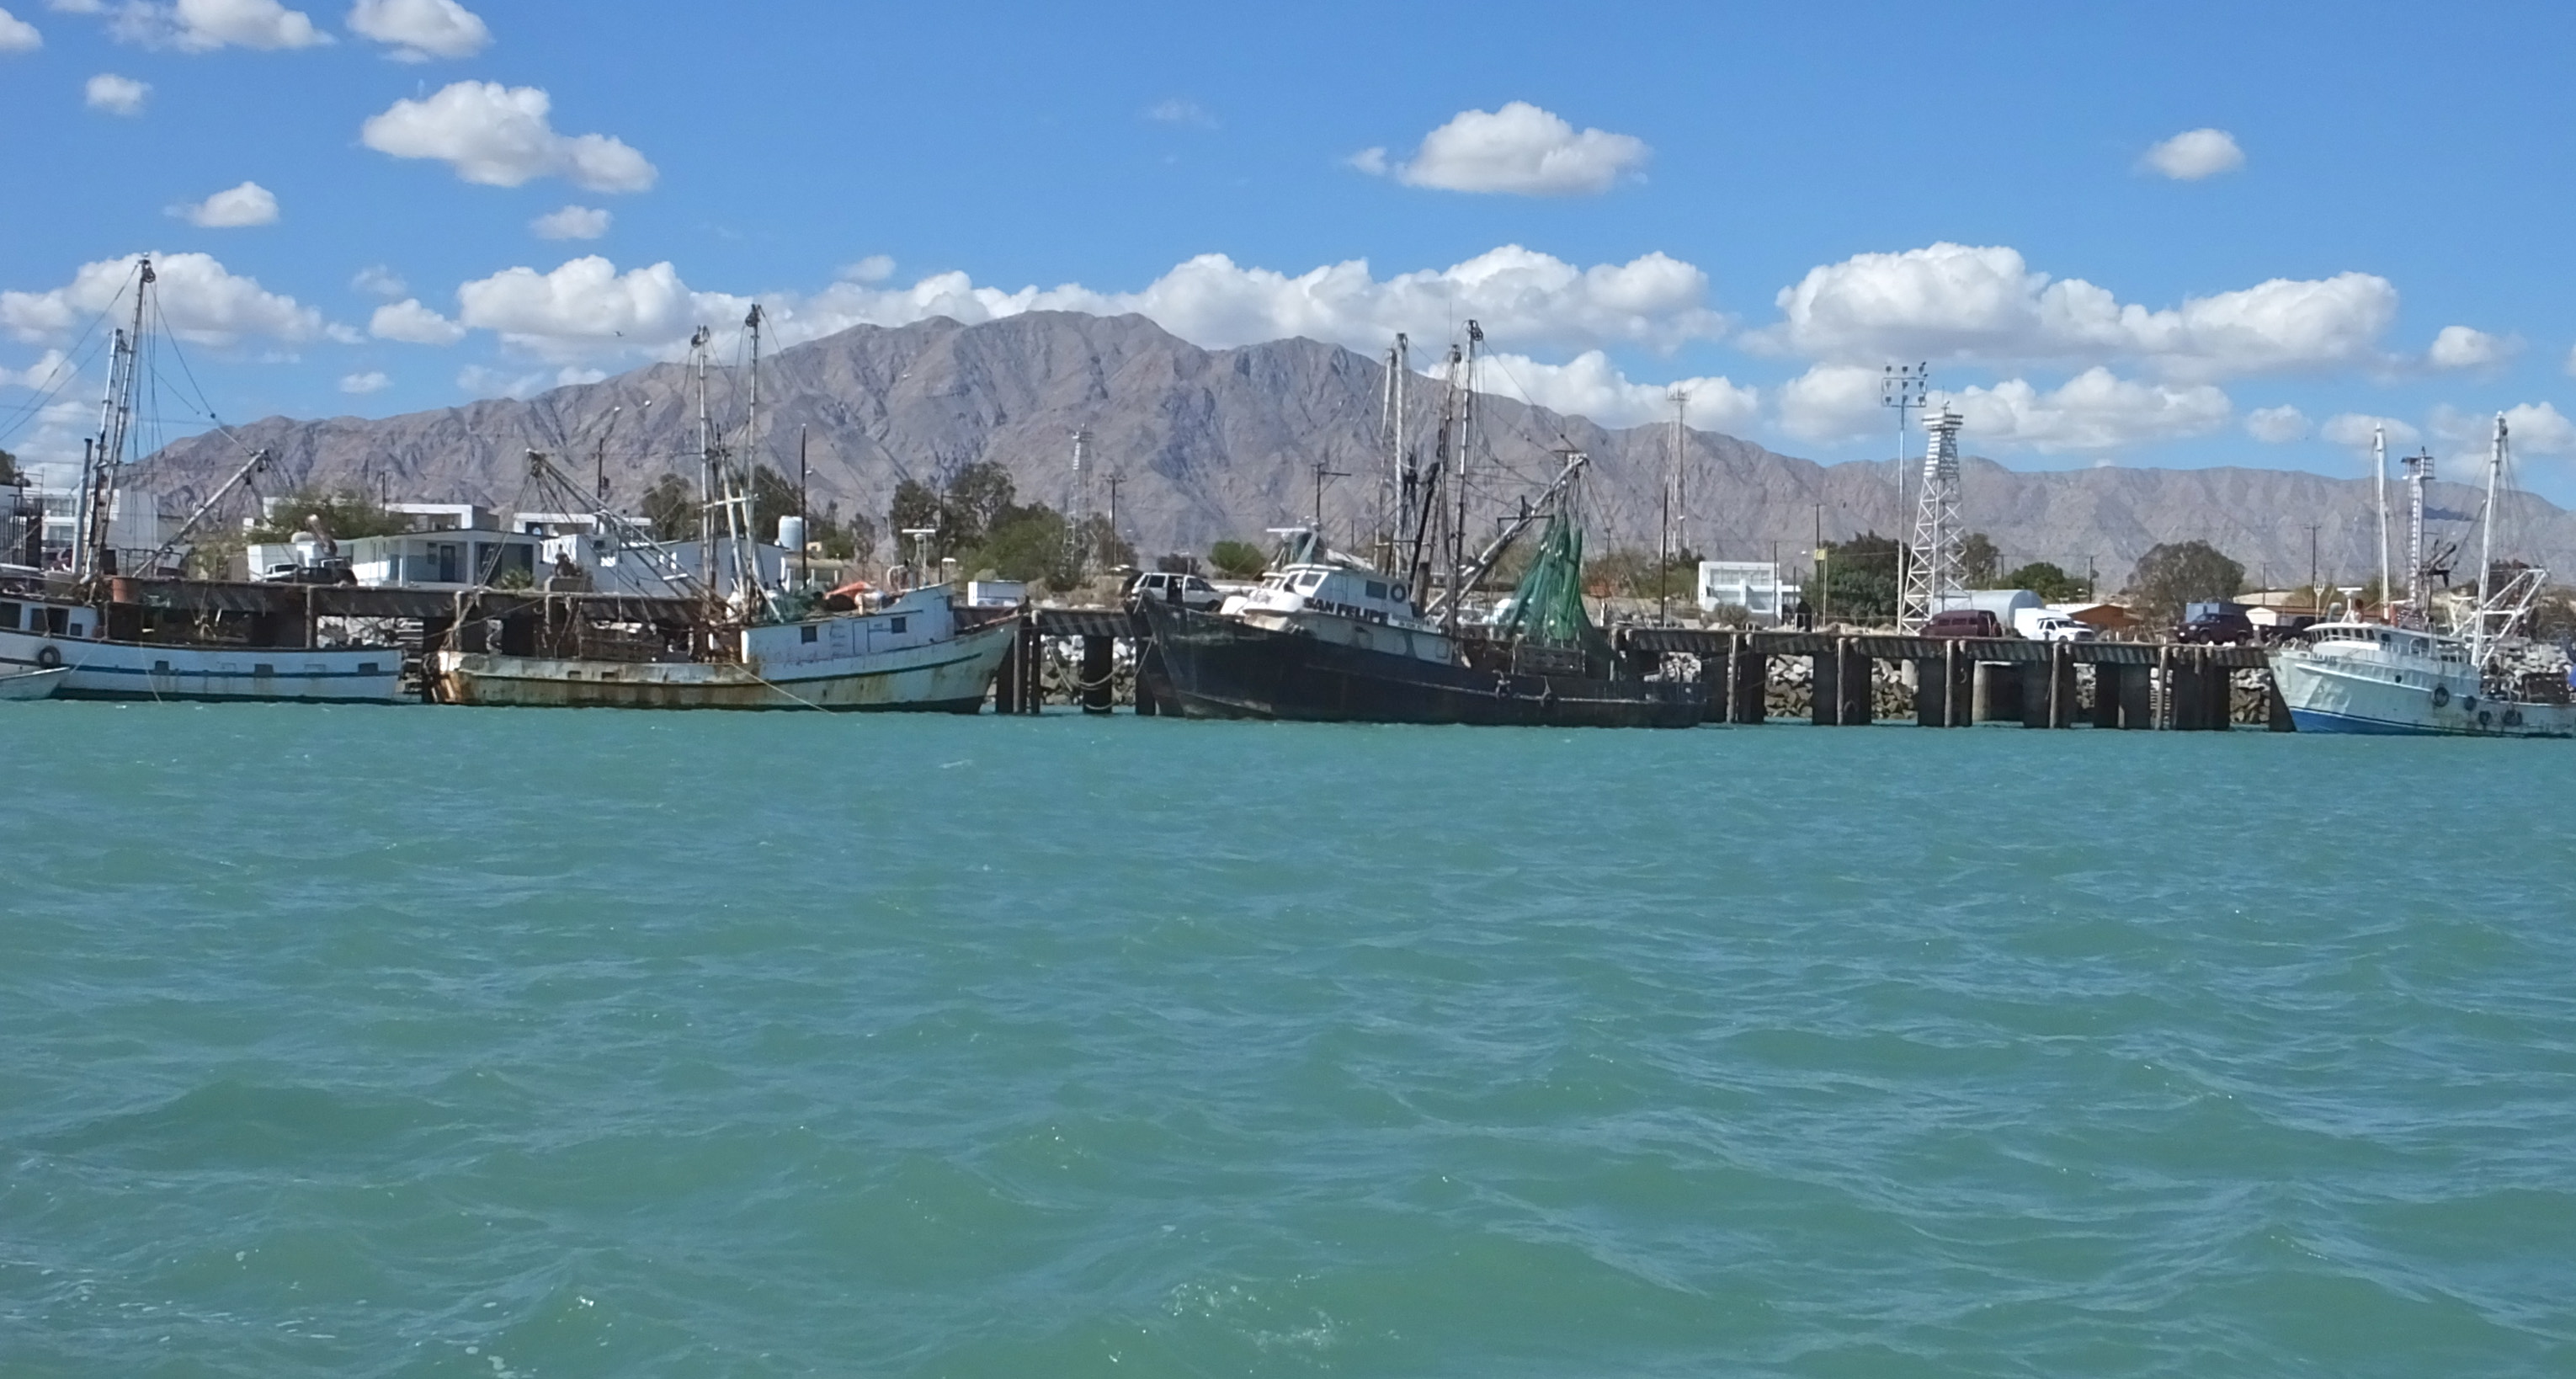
1946	682
1955	682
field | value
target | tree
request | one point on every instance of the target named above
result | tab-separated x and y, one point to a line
916	506
1634	574
2045	580
1860	578
2180	572
671	509
346	514
977	499
1102	545
1238	559
1979	562
8	468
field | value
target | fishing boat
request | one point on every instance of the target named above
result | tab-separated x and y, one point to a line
758	643
81	619
1328	637
2401	677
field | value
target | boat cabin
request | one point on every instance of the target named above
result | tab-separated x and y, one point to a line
2379	641
1361	595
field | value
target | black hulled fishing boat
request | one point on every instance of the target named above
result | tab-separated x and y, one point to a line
1329	638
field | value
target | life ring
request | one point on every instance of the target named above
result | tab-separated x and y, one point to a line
2441	695
49	656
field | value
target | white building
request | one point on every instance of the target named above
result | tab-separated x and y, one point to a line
1752	585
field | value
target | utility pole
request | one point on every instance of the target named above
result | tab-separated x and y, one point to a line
1904	388
1079	527
2312	573
1824	591
1113	479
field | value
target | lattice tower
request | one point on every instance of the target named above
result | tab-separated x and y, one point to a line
1934	577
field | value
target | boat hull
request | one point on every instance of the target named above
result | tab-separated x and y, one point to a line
2365	700
951	676
24	685
1222	667
218	674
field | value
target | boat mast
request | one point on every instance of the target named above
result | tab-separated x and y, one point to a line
1429	518
115	423
2486	546
1458	480
739	518
706	475
2379	479
2419	472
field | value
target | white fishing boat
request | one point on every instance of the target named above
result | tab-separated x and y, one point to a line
758	644
23	685
2401	677
909	653
75	620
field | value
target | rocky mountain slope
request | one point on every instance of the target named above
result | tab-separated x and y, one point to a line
1208	444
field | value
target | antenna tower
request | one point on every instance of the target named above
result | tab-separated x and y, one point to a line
1933	578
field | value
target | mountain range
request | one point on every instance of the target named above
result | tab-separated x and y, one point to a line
1197	445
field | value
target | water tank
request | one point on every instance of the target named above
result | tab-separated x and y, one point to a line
791	533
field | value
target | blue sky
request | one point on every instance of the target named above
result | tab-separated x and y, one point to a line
1772	202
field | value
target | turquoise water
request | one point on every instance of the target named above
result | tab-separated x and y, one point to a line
440	1042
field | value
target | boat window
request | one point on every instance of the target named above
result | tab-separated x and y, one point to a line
1274	581
1306	582
807	633
8	615
1377	589
897	625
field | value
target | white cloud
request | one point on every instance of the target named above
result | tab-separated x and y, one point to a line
1831	402
1589	385
116	95
378	280
1519	149
572	222
1179	110
2277	425
239	207
413	324
341	333
2352	430
2460	347
2195	154
2461	439
490	382
1963	302
1522	298
17	35
585	304
2094	410
49	369
419	30
364	383
203	302
499	136
198	26
875	268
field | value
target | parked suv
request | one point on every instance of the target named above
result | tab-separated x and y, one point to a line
1964	622
2217	629
1157	585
